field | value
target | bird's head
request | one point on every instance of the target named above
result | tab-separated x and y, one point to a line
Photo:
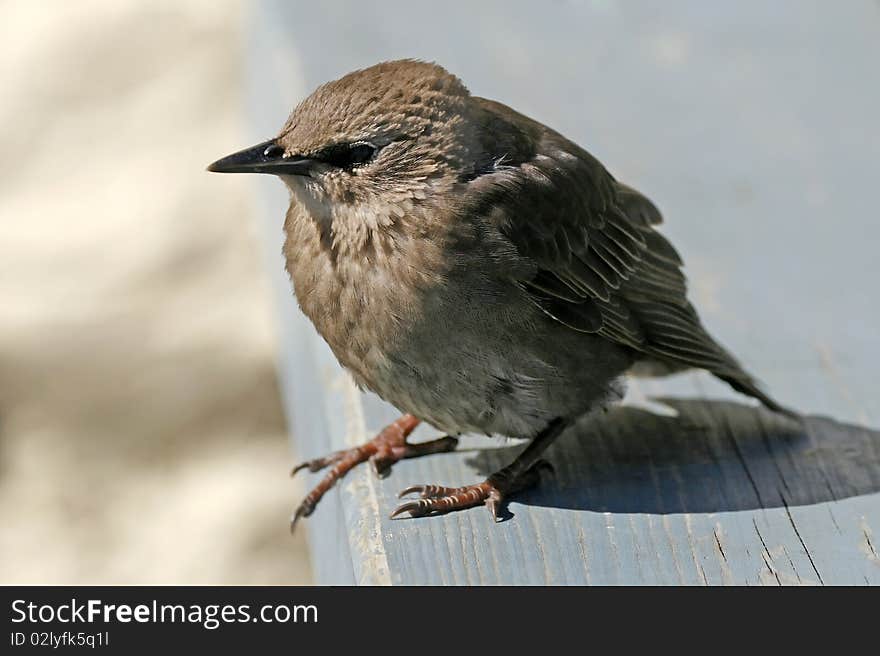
371	145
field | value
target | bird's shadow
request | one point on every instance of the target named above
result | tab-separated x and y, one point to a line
715	456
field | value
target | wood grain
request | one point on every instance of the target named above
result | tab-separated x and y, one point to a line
753	127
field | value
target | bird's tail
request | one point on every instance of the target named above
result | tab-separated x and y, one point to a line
747	385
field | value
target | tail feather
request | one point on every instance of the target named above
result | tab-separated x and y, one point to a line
749	387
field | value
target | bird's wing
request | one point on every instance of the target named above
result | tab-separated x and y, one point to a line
600	266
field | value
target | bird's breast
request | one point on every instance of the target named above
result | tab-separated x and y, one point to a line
363	300
427	323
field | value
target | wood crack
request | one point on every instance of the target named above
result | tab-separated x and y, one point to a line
801	540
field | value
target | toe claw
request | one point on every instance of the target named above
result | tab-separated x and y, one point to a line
492	506
427	491
314	465
495	504
414	508
302	511
412	489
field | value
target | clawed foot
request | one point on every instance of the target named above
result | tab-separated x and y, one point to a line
382	451
435	499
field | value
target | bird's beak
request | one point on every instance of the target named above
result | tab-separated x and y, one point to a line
266	157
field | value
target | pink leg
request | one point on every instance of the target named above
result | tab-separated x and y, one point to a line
382	451
521	473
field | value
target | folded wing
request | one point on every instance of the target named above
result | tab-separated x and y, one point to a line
600	265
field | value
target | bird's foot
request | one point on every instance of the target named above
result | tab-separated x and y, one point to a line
382	451
436	499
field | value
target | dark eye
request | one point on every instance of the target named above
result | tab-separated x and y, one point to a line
361	152
349	156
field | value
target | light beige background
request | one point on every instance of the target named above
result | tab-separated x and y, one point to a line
141	435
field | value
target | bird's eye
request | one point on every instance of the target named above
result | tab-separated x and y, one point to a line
361	152
349	156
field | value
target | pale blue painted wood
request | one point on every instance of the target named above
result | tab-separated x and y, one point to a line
753	126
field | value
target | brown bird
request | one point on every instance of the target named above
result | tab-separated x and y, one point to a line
474	268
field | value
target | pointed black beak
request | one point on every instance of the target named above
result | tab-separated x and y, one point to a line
267	157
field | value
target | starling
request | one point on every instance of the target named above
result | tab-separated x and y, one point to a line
474	268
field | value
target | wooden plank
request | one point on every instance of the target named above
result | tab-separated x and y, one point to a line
753	126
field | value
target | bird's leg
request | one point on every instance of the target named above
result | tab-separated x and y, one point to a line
382	451
521	473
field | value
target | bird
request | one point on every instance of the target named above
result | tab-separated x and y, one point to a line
474	268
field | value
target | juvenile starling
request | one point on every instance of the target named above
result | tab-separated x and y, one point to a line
472	267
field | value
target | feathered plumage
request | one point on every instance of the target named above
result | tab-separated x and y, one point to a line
601	265
472	267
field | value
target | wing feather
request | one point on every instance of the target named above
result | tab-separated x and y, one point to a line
598	263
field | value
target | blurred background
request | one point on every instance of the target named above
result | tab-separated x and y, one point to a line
141	434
